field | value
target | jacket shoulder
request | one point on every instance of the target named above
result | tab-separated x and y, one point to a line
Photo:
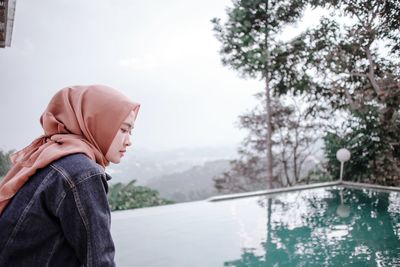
77	167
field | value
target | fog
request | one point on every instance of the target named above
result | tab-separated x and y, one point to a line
162	54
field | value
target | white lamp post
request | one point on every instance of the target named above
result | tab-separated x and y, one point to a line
342	155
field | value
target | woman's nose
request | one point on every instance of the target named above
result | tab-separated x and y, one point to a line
128	141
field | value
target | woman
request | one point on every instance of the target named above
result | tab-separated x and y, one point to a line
53	205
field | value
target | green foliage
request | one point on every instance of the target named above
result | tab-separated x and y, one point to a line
348	58
349	63
250	44
293	138
5	162
131	196
357	76
382	17
373	156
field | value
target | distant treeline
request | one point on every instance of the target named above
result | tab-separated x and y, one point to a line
131	196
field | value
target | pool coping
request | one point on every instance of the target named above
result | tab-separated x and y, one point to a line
304	187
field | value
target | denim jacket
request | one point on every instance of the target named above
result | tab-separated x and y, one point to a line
60	217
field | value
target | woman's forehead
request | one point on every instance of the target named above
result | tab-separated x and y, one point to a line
130	119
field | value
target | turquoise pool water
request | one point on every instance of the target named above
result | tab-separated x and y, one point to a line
315	227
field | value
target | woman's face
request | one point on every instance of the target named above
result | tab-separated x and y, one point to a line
122	140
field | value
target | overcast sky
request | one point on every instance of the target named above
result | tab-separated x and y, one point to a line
162	54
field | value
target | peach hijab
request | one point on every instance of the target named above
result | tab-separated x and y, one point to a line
78	119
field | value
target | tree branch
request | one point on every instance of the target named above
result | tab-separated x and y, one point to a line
371	72
353	105
357	74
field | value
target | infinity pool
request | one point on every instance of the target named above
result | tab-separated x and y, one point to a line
331	226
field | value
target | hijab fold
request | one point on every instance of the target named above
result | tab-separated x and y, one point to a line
78	119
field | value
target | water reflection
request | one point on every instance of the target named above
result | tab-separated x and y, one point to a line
342	210
328	227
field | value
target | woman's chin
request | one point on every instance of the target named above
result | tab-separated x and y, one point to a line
115	160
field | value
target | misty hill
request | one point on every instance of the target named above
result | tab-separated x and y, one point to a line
145	165
182	174
193	184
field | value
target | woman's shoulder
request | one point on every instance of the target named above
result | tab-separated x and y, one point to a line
77	166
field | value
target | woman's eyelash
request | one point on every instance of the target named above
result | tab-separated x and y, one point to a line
125	131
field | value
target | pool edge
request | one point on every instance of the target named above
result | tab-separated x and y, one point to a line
304	187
